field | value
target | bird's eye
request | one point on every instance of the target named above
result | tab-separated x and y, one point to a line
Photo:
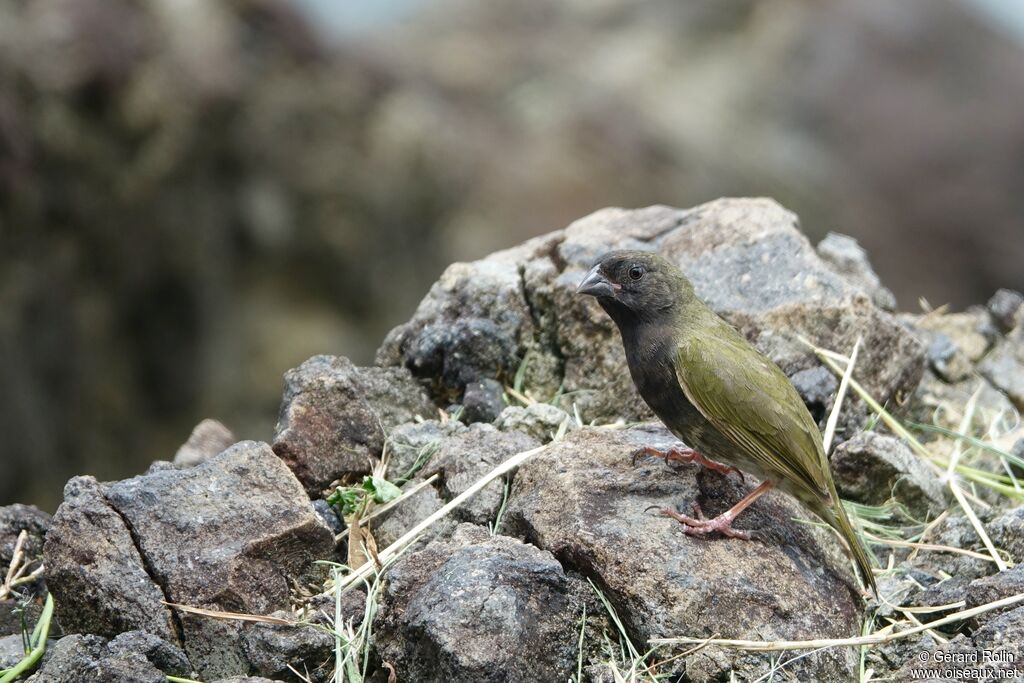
636	272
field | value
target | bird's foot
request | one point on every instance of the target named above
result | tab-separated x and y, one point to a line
700	526
686	455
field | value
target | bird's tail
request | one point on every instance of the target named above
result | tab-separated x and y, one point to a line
836	516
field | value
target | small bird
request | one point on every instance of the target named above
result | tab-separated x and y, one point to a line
716	393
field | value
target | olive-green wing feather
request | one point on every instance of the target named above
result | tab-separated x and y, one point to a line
751	402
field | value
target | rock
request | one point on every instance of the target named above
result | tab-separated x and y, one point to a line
17	518
334	416
851	261
13	609
78	658
1004	366
245	679
208	439
272	648
1007	532
12	650
483	401
585	502
746	257
988	589
163	655
970	333
955	531
540	420
465	457
817	387
328	516
937	399
100	582
390	526
871	468
947	360
478	608
230	534
410	446
1005	307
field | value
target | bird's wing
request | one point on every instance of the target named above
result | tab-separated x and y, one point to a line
751	402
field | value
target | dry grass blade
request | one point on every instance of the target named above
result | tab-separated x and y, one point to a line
876	638
232	616
928	546
844	384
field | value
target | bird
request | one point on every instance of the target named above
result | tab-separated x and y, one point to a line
735	410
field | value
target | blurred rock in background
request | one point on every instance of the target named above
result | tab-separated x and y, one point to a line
196	196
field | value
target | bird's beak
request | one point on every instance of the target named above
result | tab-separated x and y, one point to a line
596	284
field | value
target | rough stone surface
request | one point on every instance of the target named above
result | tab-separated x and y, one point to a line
12	649
871	468
585	502
163	655
540	420
17	518
209	438
1004	366
478	608
987	589
81	658
482	401
817	387
746	257
411	445
1005	307
465	457
334	417
390	526
1007	530
228	534
850	260
271	648
100	582
955	531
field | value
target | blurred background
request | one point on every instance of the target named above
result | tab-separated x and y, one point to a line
196	196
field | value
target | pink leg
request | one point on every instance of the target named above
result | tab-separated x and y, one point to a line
687	455
722	523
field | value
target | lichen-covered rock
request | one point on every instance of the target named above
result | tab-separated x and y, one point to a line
873	468
99	580
464	458
334	417
209	438
478	608
585	502
746	257
230	534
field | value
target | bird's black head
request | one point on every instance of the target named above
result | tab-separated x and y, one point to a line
636	285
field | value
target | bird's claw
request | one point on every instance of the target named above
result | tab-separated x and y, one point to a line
700	526
685	455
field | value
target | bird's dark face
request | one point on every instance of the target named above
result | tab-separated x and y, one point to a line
635	285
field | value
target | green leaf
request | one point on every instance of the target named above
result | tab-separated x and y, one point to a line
346	500
381	489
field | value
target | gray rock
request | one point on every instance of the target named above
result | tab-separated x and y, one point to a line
163	655
230	534
585	502
1005	307
13	609
540	420
483	401
100	582
872	468
934	396
969	333
334	417
17	518
817	387
12	650
209	438
245	679
328	516
465	457
80	658
955	531
1007	532
850	259
1004	366
272	648
988	589
478	608
390	526
946	359
746	257
412	445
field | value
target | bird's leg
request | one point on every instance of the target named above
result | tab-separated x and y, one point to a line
722	523
686	455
